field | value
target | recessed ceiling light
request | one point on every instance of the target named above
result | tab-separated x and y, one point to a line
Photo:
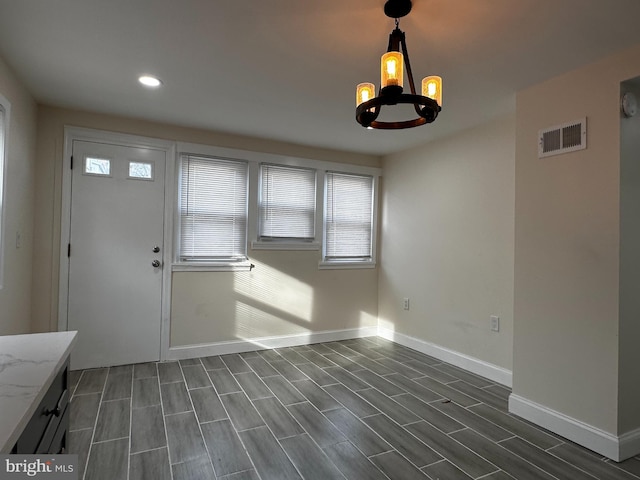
149	81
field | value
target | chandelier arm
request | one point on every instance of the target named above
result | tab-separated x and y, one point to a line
412	85
396	39
407	64
390	46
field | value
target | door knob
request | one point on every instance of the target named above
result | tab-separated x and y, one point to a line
156	249
155	263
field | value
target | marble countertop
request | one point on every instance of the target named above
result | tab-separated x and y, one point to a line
28	365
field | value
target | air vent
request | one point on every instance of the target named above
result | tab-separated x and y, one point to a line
568	137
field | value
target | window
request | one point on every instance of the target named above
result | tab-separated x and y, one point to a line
141	170
212	209
348	218
97	166
287	207
4	128
230	201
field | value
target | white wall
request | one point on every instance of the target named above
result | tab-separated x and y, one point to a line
567	253
210	307
285	294
15	294
629	357
447	242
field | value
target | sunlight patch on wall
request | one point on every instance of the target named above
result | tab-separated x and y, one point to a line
253	323
278	290
368	320
386	324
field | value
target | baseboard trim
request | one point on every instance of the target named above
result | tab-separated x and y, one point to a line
629	444
248	345
474	365
606	444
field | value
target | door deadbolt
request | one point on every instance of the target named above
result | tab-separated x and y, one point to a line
155	263
156	249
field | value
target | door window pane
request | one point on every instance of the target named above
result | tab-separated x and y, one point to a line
97	166
141	170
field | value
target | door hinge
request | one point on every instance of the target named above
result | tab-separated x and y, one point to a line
68	250
71	162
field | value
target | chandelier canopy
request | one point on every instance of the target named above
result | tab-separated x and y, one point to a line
392	66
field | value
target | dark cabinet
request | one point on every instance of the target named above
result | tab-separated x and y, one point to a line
46	432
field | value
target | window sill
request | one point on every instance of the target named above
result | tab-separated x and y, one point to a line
258	245
355	265
211	267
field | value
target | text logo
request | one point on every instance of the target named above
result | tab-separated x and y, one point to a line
39	467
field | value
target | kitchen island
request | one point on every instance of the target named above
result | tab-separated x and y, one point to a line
34	397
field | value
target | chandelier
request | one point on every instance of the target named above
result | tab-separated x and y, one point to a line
392	64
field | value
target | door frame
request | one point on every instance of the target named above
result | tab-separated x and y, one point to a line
72	134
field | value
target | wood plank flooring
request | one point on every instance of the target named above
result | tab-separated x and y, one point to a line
361	409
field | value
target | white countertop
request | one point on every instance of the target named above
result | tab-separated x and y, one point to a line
28	365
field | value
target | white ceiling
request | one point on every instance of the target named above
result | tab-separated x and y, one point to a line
287	69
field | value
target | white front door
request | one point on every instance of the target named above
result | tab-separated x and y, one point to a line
115	254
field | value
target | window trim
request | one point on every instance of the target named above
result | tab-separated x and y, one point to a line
242	266
254	159
285	245
5	109
345	264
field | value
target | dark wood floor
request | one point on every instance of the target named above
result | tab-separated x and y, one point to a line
361	409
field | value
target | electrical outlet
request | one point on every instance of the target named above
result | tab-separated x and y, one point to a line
495	323
405	303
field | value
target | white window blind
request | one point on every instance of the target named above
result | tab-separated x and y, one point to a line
213	209
287	203
348	217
